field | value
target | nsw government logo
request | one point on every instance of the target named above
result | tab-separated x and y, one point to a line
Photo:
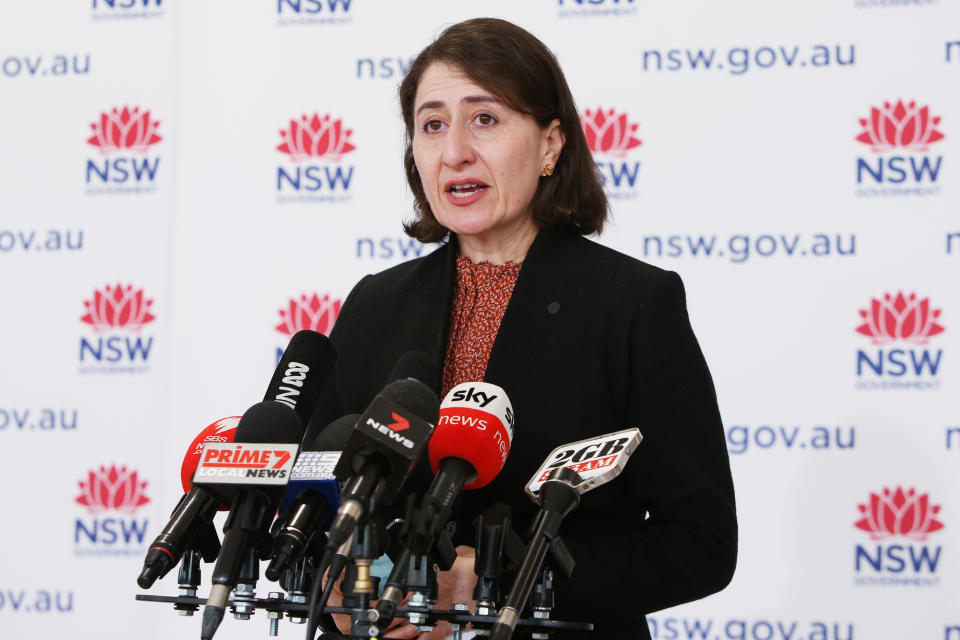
315	146
124	137
612	138
898	522
291	13
127	9
116	316
111	496
900	135
900	327
308	312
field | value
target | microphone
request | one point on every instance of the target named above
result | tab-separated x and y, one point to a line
250	474
191	523
312	495
384	446
568	472
301	373
467	450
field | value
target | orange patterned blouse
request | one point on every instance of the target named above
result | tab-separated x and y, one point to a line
480	300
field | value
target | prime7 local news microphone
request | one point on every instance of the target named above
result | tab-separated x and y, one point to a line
569	471
249	474
467	450
312	495
191	523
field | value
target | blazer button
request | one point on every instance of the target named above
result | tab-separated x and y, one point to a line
553	307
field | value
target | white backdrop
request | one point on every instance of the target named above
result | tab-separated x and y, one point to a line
145	277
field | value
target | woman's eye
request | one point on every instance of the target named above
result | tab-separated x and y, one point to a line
432	126
485	119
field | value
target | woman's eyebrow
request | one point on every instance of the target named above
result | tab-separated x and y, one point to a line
436	104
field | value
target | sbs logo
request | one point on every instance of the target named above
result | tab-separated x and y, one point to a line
117	314
612	137
899	319
899	521
315	147
112	496
124	137
900	135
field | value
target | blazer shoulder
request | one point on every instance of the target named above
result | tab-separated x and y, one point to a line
602	264
410	273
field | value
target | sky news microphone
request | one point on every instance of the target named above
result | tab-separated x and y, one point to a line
312	495
467	450
191	523
384	445
250	474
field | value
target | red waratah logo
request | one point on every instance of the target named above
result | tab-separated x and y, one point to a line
125	128
900	317
316	137
313	312
112	488
899	513
609	132
118	307
900	125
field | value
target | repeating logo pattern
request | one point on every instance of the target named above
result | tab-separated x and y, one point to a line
118	307
316	137
900	125
309	312
112	489
900	317
122	129
609	132
896	512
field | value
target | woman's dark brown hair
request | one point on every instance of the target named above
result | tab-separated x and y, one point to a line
518	69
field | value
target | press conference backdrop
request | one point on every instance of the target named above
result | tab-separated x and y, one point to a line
186	184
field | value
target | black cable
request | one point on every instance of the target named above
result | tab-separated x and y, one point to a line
312	611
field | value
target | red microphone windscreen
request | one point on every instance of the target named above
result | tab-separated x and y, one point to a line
223	430
476	425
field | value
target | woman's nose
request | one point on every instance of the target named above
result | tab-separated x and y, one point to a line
458	146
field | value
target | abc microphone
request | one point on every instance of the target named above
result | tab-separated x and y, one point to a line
191	523
568	472
467	450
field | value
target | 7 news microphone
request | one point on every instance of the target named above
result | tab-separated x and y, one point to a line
467	450
385	444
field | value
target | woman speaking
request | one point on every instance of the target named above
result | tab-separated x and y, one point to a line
584	340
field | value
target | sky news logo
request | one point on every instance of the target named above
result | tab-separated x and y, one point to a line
124	137
127	9
116	315
899	135
309	311
315	147
900	327
298	13
111	496
612	139
898	522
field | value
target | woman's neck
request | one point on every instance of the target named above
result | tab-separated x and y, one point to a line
500	249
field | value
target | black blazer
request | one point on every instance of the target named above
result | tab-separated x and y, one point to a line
592	341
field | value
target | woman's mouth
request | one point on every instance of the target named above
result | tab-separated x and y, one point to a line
463	193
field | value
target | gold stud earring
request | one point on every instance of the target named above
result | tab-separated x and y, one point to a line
547	170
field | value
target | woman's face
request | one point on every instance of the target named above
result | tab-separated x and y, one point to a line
479	160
